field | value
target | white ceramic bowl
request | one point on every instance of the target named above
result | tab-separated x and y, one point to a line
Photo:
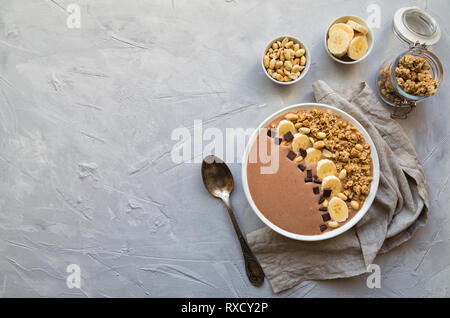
367	202
347	60
307	55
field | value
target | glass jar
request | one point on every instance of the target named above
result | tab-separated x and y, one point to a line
420	72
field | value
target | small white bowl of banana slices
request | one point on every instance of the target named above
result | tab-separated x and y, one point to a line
348	40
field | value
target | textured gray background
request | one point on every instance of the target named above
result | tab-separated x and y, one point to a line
86	116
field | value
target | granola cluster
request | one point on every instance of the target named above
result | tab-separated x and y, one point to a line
413	76
342	143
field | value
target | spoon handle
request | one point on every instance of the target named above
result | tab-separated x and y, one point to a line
254	271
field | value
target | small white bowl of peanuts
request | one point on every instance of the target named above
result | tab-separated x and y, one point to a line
286	60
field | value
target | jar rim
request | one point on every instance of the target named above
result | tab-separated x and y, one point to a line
423	18
412	24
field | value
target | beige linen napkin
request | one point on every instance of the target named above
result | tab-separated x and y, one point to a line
400	206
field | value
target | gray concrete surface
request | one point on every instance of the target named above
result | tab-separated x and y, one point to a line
86	117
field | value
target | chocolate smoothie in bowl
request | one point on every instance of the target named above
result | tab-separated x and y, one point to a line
310	171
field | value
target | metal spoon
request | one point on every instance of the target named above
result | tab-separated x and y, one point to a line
219	182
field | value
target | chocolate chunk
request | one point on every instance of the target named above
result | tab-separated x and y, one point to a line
288	136
309	173
318	181
271	133
291	155
316	190
327	193
308	180
301	167
326	217
303	153
278	141
321	199
323	228
323	209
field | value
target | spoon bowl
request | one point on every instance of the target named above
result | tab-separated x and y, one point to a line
217	177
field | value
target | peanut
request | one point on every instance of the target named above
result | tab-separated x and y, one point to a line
293	76
288	65
327	154
333	224
343	174
305	130
319	144
266	61
287	54
300	52
295	68
272	64
291	117
354	204
303	61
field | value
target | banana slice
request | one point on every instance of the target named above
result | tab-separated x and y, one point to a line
343	27
312	155
338	209
357	27
285	126
338	43
358	47
333	183
300	142
326	168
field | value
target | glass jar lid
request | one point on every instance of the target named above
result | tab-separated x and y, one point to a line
414	25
